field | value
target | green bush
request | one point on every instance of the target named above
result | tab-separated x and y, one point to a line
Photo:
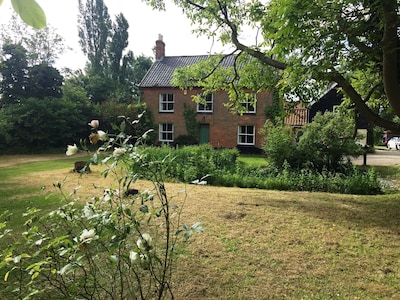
222	168
194	162
37	124
279	143
327	142
324	144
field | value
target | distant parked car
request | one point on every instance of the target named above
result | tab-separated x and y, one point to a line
394	143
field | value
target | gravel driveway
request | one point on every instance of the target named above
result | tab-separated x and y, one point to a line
380	157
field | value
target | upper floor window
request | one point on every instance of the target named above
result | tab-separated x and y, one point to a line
249	106
166	132
206	106
246	135
166	103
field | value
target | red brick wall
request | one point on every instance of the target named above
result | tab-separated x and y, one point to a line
223	124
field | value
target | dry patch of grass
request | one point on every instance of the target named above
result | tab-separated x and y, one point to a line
9	160
261	244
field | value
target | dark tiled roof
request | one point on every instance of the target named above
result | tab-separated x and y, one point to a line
160	73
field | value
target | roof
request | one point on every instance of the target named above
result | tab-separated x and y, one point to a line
298	118
160	73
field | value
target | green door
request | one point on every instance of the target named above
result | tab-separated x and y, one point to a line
204	134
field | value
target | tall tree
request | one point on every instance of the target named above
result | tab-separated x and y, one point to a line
111	70
42	46
94	33
313	43
14	73
44	81
118	43
20	81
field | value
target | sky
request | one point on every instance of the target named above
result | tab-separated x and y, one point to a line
145	24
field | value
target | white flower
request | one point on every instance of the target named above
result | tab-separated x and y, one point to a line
88	211
119	151
202	182
144	242
71	150
133	256
94	124
88	235
102	135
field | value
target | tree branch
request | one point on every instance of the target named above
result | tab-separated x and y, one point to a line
361	105
389	47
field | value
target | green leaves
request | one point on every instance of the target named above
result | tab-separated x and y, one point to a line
30	12
188	231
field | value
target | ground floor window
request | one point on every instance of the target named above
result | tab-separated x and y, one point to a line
166	132
246	135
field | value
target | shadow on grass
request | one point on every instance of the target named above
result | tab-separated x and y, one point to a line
355	211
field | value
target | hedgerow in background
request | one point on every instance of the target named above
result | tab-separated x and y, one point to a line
40	124
120	245
221	167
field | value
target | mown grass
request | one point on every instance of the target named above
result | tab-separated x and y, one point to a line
258	244
25	169
253	160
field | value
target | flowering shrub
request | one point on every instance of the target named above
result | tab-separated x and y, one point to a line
116	246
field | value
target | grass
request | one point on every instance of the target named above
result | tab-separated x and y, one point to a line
253	160
257	244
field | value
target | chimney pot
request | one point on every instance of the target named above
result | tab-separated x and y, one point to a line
160	48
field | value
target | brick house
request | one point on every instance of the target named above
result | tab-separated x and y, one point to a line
215	123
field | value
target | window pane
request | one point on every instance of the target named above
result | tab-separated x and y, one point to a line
166	102
246	135
207	105
166	132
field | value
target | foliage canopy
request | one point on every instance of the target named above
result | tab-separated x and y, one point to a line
312	44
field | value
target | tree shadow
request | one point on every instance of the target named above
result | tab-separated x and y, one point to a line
365	212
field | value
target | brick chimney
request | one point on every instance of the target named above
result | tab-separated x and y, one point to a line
160	48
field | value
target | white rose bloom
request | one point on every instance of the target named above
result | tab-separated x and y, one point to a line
94	124
71	150
133	256
87	236
144	242
102	135
119	151
88	211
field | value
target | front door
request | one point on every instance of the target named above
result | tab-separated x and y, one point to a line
204	135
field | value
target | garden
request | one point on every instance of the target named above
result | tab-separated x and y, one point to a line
255	244
158	222
116	217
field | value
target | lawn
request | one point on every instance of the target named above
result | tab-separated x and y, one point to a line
257	244
253	160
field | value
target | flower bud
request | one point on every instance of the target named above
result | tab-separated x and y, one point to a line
94	124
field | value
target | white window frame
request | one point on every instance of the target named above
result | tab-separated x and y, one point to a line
250	108
165	100
246	135
165	131
209	101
